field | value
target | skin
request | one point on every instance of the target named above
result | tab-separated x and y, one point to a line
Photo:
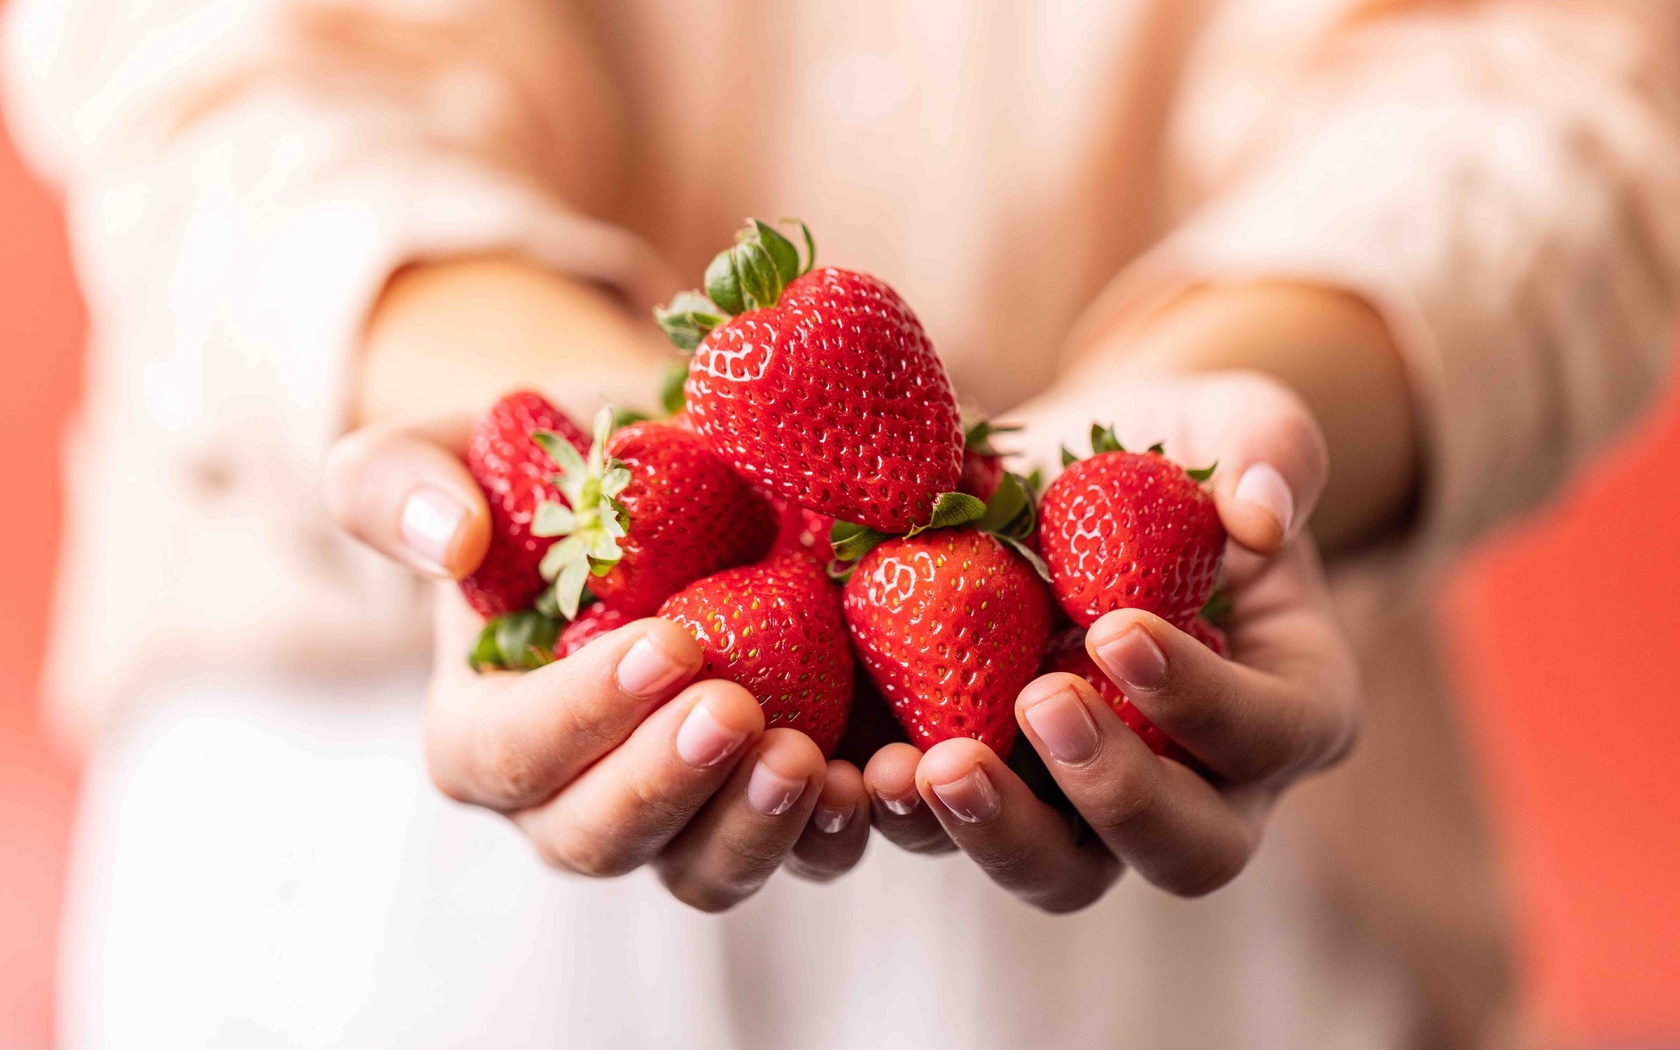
1288	377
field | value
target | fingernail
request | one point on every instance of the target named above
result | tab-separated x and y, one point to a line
1066	728
901	807
831	820
973	798
1264	487
771	793
1134	659
647	670
430	520
703	741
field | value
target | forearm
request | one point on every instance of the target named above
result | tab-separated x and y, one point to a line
1329	348
450	337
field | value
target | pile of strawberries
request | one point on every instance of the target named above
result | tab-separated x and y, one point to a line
815	513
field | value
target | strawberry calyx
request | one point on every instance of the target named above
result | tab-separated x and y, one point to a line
977	435
1011	515
1103	440
749	275
588	530
516	641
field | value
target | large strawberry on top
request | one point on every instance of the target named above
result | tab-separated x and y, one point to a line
1129	530
517	475
650	510
819	386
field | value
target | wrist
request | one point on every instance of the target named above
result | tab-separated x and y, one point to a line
450	336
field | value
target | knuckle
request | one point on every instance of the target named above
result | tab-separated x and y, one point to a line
700	894
593	856
510	770
656	810
1127	792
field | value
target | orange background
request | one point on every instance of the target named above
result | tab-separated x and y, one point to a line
1567	633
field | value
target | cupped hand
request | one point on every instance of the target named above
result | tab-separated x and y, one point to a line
613	757
1286	704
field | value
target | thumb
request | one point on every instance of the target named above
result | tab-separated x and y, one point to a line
405	492
1273	464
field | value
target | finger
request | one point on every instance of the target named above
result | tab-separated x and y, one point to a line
1025	846
1295	709
622	812
1154	814
896	802
406	493
1272	463
748	829
834	840
509	741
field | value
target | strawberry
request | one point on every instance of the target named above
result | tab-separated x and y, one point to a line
1067	653
517	476
819	385
982	466
1203	630
950	625
651	510
776	630
590	624
800	529
1126	530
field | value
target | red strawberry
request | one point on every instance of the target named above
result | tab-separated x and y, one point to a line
1205	632
982	466
654	510
590	624
1067	653
980	474
516	476
1125	530
801	530
950	624
776	630
822	389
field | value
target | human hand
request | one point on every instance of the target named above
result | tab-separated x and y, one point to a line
613	757
1285	706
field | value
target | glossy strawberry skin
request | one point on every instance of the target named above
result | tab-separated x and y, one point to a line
516	475
776	630
949	625
801	530
980	474
590	624
1125	530
1067	654
832	399
690	515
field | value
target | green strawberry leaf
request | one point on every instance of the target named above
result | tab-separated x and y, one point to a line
1029	554
950	510
623	417
671	396
552	519
1217	609
1158	449
1010	511
688	319
852	541
1103	439
810	244
783	255
1068	458
1201	474
723	286
519	641
977	436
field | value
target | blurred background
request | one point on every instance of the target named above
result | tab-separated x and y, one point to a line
1568	653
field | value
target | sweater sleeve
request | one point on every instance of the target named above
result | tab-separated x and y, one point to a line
1501	181
240	178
